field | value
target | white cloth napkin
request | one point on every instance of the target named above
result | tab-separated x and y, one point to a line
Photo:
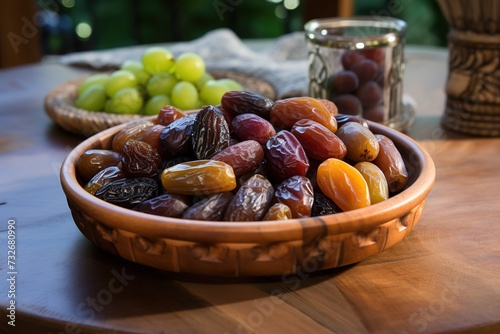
283	63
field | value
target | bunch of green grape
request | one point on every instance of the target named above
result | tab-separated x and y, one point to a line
159	79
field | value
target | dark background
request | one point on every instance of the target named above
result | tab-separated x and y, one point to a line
117	23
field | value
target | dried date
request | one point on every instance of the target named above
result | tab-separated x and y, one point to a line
343	118
360	142
286	112
128	192
152	137
323	206
211	208
210	133
297	193
140	159
175	139
243	157
318	142
93	161
134	130
241	102
168	114
285	156
252	200
390	161
252	127
278	211
167	205
199	177
102	178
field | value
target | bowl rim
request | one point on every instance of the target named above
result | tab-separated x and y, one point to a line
363	219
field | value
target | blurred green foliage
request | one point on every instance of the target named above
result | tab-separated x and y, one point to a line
118	23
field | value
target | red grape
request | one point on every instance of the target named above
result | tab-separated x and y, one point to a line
348	104
370	94
344	82
365	69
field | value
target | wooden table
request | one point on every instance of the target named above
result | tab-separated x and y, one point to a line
444	277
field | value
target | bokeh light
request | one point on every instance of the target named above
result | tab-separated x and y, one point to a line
83	30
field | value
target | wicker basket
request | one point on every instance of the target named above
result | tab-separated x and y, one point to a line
60	105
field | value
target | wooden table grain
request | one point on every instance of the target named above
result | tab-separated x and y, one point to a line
443	278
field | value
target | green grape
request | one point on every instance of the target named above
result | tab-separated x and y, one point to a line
184	95
137	68
212	92
107	106
154	104
118	80
157	60
92	80
231	84
189	67
161	84
127	101
92	98
203	80
199	104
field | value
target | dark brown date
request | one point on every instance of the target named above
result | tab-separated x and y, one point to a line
252	127
140	159
175	139
323	205
128	192
318	142
296	193
252	200
167	205
211	208
241	102
342	119
243	157
92	162
210	133
285	156
102	178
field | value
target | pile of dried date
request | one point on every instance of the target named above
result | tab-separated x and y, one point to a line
248	159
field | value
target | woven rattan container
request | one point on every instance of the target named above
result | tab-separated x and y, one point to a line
473	87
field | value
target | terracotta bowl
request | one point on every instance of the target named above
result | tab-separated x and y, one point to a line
266	248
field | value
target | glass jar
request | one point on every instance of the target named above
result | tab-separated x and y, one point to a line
358	63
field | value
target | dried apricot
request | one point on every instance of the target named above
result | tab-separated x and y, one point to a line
343	184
